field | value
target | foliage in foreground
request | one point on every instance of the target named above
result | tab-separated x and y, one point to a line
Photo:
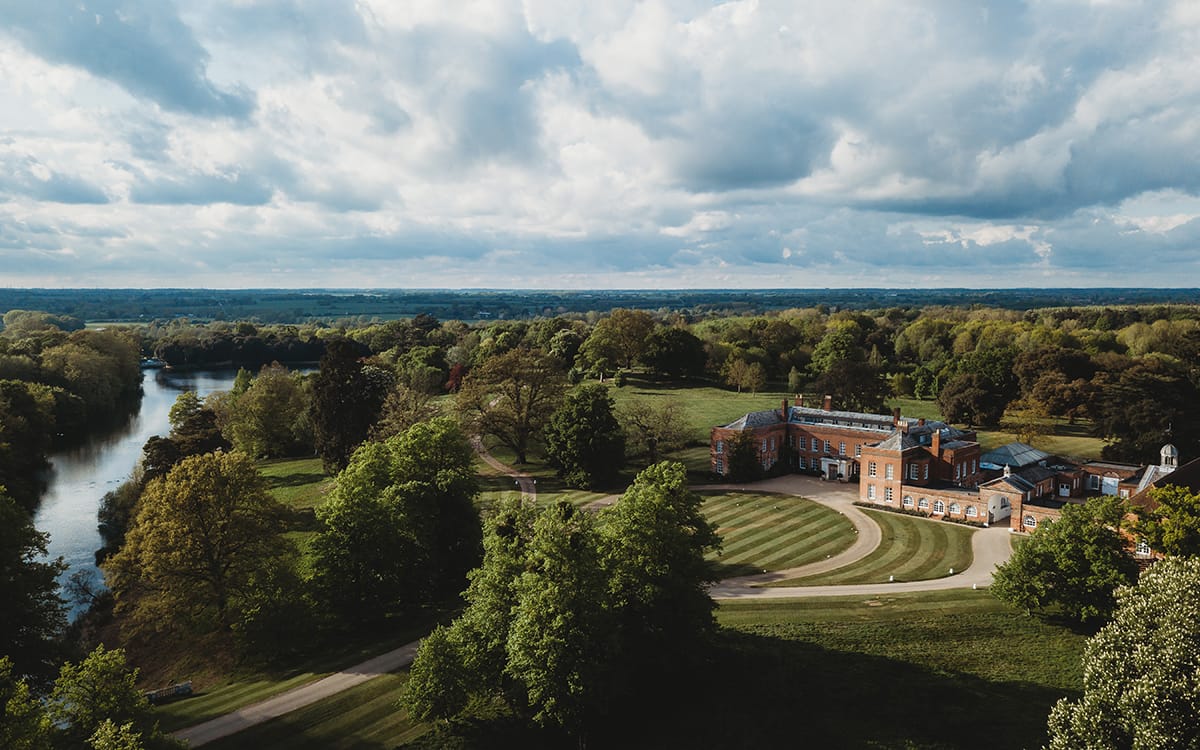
1075	562
94	704
1139	681
562	599
584	441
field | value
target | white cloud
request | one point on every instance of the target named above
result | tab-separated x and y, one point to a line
632	143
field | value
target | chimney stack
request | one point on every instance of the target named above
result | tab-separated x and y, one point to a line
920	421
828	402
936	446
896	416
799	399
783	413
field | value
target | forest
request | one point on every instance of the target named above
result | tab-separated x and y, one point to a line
196	543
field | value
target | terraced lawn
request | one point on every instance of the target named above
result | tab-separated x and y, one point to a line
773	532
913	549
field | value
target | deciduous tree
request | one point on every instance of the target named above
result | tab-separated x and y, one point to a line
511	397
1172	525
199	536
584	441
653	429
31	611
1139	672
1074	563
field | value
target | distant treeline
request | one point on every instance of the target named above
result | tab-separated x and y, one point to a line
298	306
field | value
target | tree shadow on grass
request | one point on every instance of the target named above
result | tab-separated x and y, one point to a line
757	691
298	479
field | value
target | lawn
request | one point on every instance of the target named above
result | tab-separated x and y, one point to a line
703	406
927	671
913	549
773	532
550	488
365	716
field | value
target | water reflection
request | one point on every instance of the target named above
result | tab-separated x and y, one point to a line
82	474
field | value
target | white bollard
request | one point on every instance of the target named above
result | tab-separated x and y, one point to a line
891	579
952	571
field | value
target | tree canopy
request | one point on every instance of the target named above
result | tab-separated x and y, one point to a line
1172	525
1074	563
199	536
1139	672
400	525
584	441
511	397
32	614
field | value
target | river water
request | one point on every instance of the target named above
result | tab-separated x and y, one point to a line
82	475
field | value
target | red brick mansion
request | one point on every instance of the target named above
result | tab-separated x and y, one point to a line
930	467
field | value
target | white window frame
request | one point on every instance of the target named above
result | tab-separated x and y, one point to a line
1142	548
887	495
955	509
720	447
939	506
870	492
907	502
923	504
720	466
829	447
914	471
858	450
889	471
1029	522
972	511
842	449
872	470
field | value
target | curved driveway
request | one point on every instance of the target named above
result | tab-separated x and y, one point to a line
990	547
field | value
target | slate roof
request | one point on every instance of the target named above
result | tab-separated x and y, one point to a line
1014	455
1035	474
899	442
1013	480
755	419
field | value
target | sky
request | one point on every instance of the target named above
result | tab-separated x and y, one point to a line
615	144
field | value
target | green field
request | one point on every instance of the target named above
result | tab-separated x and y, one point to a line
929	671
913	549
365	716
763	532
703	406
550	488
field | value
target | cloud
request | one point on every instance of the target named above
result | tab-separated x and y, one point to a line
633	143
141	46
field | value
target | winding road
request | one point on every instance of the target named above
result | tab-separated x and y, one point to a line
990	547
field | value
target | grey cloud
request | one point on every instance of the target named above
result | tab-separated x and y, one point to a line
241	188
142	46
26	176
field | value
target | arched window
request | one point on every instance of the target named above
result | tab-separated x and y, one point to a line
939	506
908	501
1030	522
971	511
923	504
954	508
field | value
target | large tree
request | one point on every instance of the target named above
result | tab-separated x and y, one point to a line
968	398
652	428
584	441
400	525
1074	563
674	353
560	640
855	386
31	612
346	398
270	418
1139	672
620	338
511	397
200	535
653	545
1139	405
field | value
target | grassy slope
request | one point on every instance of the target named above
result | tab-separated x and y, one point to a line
913	549
773	532
301	485
953	669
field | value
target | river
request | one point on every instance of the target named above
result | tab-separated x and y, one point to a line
81	476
